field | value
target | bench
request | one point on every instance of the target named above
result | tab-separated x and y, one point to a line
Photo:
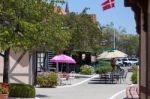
132	92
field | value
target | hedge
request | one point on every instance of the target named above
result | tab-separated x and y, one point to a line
21	91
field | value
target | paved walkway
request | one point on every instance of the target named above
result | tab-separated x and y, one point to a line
78	81
83	89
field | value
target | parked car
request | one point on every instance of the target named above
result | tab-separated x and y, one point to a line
119	62
126	62
134	61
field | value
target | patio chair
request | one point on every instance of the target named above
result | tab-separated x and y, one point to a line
108	78
72	75
64	79
123	75
60	76
114	77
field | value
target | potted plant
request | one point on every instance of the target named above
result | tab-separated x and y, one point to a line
3	91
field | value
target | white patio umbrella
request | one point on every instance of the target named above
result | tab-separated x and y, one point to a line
111	54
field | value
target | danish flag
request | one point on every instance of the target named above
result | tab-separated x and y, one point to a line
108	4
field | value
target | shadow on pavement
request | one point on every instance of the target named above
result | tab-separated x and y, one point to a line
41	96
100	81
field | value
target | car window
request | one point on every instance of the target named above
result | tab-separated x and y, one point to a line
118	59
130	59
133	59
124	59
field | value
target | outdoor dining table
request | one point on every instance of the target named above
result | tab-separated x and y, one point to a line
110	77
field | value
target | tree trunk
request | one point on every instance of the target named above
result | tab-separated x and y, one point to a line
6	65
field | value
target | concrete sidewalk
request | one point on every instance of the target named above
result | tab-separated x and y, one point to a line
122	93
81	89
77	81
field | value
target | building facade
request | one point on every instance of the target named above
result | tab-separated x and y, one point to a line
141	9
20	69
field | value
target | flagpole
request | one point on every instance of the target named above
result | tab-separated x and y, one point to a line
114	38
107	4
114	32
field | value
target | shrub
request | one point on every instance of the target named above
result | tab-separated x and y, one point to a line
52	80
103	69
41	80
47	80
21	91
104	63
86	70
134	77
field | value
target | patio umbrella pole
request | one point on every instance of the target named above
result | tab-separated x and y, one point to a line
74	68
62	66
57	67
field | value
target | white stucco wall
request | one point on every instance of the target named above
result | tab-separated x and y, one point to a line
1	68
19	72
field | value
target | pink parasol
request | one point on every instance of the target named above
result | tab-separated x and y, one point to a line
62	59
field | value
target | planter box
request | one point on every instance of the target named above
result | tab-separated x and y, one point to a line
19	98
3	96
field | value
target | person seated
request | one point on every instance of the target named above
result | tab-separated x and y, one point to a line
113	63
65	75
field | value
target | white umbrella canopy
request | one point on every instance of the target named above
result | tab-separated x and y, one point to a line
111	54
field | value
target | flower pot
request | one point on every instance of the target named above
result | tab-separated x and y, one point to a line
3	96
20	98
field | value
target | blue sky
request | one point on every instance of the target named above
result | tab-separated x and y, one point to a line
121	16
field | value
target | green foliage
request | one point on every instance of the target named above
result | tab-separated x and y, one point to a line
86	36
52	79
132	41
28	25
31	24
104	63
85	10
134	77
108	33
123	39
103	69
47	80
41	80
21	91
86	70
53	2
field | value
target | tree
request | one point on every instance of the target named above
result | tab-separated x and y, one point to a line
27	25
55	2
85	10
108	36
86	36
129	43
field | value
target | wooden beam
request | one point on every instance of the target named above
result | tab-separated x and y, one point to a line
129	3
